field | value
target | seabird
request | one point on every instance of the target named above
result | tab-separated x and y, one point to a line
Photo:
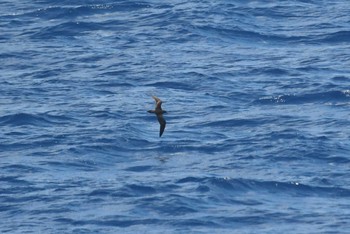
159	112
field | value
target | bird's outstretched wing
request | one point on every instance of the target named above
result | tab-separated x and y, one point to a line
158	103
162	123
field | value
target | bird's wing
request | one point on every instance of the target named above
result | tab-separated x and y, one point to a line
162	123
156	99
158	103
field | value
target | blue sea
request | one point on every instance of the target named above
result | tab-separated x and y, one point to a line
257	95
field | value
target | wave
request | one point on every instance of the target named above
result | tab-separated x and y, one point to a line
323	97
173	85
234	122
72	10
162	17
234	186
68	29
20	119
336	37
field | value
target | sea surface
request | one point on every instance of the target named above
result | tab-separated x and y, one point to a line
257	95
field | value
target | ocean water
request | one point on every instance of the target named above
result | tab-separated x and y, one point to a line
257	95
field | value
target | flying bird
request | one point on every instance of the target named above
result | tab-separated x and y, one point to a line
159	112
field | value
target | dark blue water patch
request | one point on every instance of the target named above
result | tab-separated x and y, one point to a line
18	199
44	74
113	84
9	208
282	11
296	189
15	147
40	120
145	193
163	11
337	159
140	190
176	209
68	12
80	165
216	107
10	56
172	205
231	34
199	75
184	146
235	186
299	151
322	181
341	79
140	168
5	37
337	37
127	6
51	211
90	61
68	29
324	97
133	190
72	10
274	71
237	34
290	133
15	133
191	179
57	12
21	169
112	150
15	180
195	223
11	193
173	85
44	144
226	184
101	192
203	189
112	71
106	114
234	122
134	143
116	221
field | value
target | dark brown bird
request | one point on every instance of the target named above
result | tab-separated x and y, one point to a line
159	112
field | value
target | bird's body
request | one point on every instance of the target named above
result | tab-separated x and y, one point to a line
159	112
